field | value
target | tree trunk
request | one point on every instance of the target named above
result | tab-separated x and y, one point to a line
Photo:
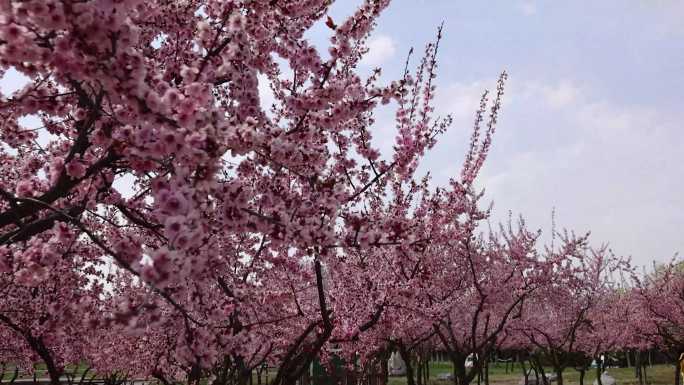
244	376
427	370
385	370
419	373
645	372
406	356
460	371
678	374
42	350
542	373
306	378
559	376
526	373
297	362
194	375
638	367
581	378
539	371
600	365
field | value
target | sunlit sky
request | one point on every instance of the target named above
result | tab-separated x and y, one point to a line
592	118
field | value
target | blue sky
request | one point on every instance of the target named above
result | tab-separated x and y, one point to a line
592	119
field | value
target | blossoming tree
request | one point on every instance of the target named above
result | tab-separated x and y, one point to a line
233	224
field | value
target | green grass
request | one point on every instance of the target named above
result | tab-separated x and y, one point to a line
657	375
42	372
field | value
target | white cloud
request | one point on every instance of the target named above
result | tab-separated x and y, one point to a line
605	166
561	95
528	8
668	14
459	99
380	48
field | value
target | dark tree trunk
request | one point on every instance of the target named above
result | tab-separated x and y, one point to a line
422	368
305	379
195	374
460	377
244	376
581	378
419	373
539	372
292	369
39	347
406	356
678	375
526	373
542	374
559	376
301	354
410	379
427	369
645	372
385	369
599	369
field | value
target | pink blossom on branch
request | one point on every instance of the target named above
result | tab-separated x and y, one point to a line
246	236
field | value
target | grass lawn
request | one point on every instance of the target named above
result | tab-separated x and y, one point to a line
41	372
657	375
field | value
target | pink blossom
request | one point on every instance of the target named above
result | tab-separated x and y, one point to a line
173	226
76	169
24	188
173	203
